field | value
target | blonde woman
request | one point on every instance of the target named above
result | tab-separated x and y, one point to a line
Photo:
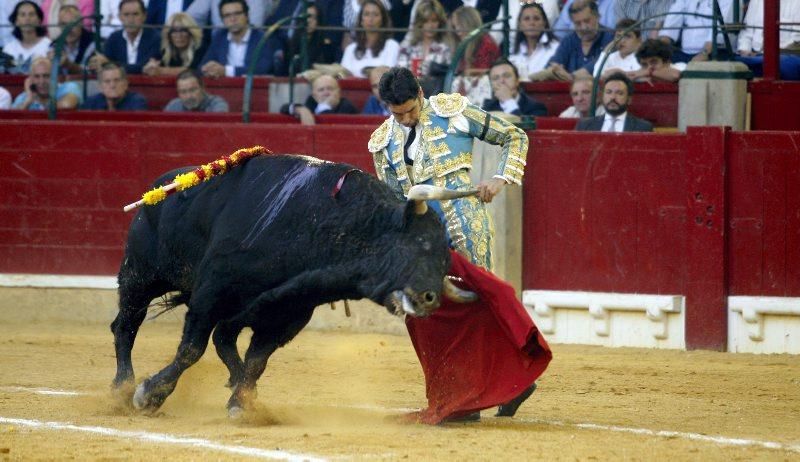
427	41
481	52
180	42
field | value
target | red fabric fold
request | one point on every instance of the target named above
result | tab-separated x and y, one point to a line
476	355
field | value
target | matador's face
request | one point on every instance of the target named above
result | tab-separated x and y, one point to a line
407	114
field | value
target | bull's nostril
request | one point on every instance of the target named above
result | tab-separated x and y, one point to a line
429	297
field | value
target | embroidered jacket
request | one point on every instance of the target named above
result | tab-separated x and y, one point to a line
444	157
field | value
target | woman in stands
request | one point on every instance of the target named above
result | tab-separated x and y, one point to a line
181	39
534	44
30	36
425	52
481	52
321	49
373	45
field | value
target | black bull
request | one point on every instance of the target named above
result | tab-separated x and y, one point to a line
260	247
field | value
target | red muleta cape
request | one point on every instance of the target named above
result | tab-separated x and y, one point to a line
476	355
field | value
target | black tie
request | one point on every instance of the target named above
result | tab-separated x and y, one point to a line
411	135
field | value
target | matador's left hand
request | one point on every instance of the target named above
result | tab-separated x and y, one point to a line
487	189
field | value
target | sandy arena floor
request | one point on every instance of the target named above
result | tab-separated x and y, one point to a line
331	395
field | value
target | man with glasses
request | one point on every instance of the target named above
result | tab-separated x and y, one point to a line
231	50
134	45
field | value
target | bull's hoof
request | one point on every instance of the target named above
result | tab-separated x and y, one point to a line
146	400
235	413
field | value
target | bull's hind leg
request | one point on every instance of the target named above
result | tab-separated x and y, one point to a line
200	320
224	337
268	335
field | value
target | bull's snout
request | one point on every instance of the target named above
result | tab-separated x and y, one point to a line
409	302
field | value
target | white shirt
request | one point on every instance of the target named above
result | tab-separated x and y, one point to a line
7	32
572	113
173	6
616	61
22	54
550	7
236	53
752	37
387	57
133	47
110	11
510	105
5	98
694	31
536	61
619	126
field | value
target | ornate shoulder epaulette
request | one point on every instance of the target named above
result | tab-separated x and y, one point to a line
448	104
380	137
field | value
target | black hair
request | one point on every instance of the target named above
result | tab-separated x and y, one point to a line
140	2
398	85
620	76
500	61
190	73
383	35
41	31
625	23
579	5
654	48
245	7
520	37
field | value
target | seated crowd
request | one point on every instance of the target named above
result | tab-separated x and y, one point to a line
574	41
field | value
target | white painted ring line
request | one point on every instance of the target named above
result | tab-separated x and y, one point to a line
586	426
166	439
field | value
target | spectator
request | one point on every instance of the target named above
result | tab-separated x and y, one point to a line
114	94
372	46
181	40
78	45
6	25
325	98
655	59
30	36
231	50
350	14
564	25
694	32
643	10
486	9
481	52
321	49
506	94
534	44
210	11
617	96
36	96
550	9
109	9
375	105
578	51
192	96
751	39
133	45
425	52
624	58
52	8
5	99
581	93
160	12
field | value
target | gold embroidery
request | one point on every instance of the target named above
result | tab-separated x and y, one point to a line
438	150
444	166
433	133
448	105
380	137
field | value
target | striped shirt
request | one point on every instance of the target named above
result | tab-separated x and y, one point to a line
641	9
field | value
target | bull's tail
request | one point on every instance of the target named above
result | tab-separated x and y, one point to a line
195	177
169	302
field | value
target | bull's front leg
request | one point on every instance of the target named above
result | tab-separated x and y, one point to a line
224	337
152	392
132	311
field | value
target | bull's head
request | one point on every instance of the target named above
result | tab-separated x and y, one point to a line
420	297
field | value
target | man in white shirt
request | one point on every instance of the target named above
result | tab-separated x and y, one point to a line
694	32
134	45
751	39
617	96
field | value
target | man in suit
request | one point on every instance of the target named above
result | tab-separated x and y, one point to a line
617	95
133	46
158	11
231	50
506	96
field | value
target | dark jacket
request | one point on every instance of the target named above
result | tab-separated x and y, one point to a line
218	51
116	49
344	107
321	50
632	124
131	102
527	106
157	11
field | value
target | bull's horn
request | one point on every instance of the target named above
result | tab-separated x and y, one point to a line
430	192
457	294
420	207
